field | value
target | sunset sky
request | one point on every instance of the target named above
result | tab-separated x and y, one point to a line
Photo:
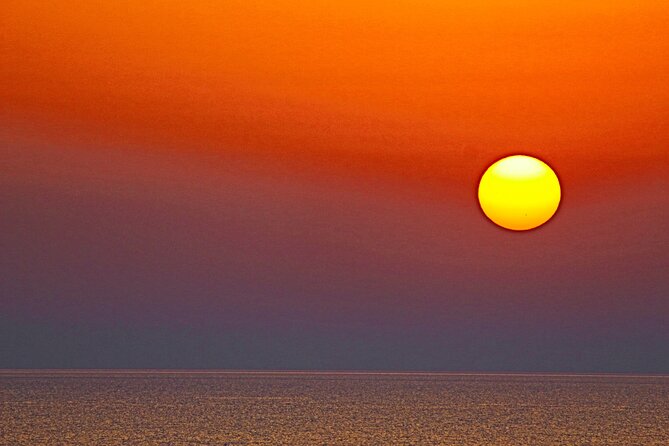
292	185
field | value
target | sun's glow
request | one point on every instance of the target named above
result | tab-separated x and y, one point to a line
519	192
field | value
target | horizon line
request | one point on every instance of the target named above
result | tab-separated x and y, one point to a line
184	371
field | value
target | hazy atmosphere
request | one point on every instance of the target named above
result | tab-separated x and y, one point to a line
257	186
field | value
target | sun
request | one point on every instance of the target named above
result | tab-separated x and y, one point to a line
519	192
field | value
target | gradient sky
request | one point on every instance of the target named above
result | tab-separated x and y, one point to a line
292	185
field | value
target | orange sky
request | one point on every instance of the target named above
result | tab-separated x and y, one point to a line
419	94
300	177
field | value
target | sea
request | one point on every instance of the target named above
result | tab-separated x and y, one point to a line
158	407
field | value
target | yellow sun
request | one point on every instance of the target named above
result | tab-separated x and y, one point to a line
519	192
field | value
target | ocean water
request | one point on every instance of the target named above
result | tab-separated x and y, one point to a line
226	408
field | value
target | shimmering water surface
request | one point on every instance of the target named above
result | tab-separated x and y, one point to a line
219	408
